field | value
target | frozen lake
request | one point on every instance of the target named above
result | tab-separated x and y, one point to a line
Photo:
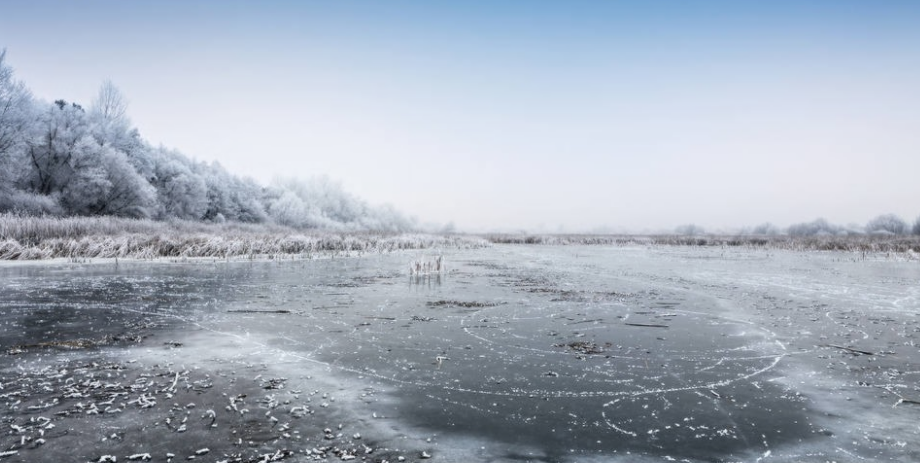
517	353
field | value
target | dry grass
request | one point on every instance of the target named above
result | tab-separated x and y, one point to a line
28	238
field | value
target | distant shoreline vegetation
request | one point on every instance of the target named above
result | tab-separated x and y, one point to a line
885	233
850	243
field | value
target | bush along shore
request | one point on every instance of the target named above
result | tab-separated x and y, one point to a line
33	238
907	244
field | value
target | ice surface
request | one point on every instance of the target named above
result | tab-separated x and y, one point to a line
517	353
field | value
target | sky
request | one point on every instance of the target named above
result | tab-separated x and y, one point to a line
567	116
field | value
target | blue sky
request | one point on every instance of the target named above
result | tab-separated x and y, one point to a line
518	114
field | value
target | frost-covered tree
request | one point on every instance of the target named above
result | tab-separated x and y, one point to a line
89	187
887	224
181	192
314	203
320	202
109	119
110	104
765	228
15	108
289	209
387	218
128	193
100	181
61	159
247	200
17	117
51	163
67	163
817	227
689	230
111	126
230	197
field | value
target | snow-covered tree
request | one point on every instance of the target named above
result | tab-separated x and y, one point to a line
111	126
129	194
320	202
51	152
815	228
181	192
61	159
16	120
67	163
887	224
289	209
387	218
247	199
689	230
230	197
110	104
765	228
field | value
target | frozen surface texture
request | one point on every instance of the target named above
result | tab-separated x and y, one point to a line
515	353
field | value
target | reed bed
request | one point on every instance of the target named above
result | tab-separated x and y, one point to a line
30	238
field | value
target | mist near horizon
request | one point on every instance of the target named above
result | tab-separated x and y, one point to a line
526	116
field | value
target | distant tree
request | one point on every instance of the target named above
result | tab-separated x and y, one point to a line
110	123
319	202
110	104
690	230
449	228
289	209
889	224
815	228
852	229
765	228
916	228
387	218
112	127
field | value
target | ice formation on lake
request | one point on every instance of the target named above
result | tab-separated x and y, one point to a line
514	353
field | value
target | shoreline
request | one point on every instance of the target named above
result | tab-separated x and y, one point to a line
268	247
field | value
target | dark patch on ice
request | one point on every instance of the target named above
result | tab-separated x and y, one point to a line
584	347
280	311
465	304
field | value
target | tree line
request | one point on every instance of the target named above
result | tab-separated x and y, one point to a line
885	224
64	159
